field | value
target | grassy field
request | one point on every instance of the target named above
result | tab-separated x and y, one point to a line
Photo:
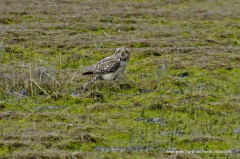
179	96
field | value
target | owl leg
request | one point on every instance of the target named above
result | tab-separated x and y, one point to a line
117	77
92	79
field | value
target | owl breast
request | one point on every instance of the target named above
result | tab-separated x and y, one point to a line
108	76
116	74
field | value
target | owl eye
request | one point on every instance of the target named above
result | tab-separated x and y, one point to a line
119	52
125	52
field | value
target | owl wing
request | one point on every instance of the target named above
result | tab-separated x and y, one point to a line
106	65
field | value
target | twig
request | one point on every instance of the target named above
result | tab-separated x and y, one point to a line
7	86
3	89
52	78
32	80
47	73
69	81
73	76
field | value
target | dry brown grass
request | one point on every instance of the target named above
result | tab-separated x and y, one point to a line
46	45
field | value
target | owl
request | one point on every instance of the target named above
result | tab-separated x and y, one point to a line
109	68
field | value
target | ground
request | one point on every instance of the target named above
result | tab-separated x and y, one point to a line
178	98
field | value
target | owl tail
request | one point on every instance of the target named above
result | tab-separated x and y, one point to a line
91	80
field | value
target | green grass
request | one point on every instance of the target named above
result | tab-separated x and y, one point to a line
152	111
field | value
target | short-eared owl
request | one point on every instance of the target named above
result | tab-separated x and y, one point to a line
109	68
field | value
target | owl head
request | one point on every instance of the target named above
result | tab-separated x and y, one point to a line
122	53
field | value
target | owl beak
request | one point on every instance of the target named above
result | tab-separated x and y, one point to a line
122	54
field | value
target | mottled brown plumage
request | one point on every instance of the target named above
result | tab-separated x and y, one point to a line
109	68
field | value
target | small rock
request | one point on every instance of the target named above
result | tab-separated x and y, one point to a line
236	130
145	90
155	53
183	74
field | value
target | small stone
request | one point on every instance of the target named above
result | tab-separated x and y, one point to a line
155	53
183	74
